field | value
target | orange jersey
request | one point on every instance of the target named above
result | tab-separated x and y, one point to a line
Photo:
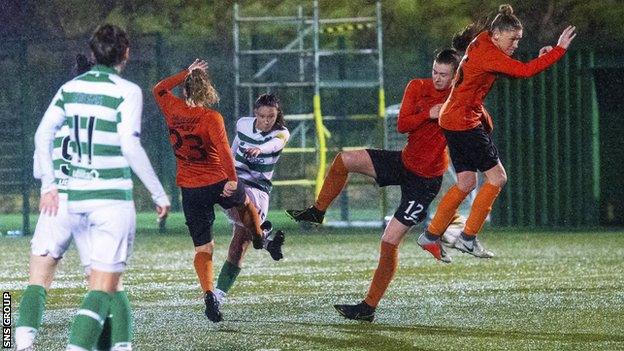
474	78
198	137
425	152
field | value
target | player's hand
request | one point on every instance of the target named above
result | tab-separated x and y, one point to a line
198	64
229	188
163	212
545	50
434	112
49	203
566	37
252	152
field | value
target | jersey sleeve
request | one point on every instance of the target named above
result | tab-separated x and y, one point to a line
411	115
499	62
218	136
52	120
129	129
163	90
276	144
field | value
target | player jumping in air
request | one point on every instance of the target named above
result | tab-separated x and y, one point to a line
418	169
257	146
470	145
205	168
103	112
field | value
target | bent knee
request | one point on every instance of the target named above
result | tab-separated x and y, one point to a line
467	186
207	248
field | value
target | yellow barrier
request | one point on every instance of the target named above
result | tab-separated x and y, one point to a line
320	132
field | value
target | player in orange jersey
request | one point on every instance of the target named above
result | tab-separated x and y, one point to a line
205	168
471	147
418	169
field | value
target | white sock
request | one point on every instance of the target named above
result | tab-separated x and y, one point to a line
220	295
24	337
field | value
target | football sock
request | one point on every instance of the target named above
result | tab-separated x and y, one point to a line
251	219
89	320
30	315
227	276
203	267
446	210
117	330
333	184
481	207
104	341
388	262
121	330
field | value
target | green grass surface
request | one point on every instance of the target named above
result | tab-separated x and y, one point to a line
543	291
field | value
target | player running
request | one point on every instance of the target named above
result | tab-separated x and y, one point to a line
205	168
257	146
103	112
418	169
470	145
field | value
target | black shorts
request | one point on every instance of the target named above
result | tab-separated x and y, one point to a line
471	150
198	205
416	192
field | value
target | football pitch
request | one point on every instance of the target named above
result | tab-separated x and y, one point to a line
543	291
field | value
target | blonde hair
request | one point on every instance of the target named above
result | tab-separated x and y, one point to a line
199	89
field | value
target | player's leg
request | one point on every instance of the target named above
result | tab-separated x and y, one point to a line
32	303
416	196
358	161
241	238
198	207
386	268
50	241
464	155
111	234
467	242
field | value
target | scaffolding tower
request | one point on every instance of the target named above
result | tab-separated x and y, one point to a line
306	49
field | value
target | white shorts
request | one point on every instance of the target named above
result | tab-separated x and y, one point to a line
53	234
259	198
111	236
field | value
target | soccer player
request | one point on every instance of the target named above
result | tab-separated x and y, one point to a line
51	240
418	169
103	112
205	168
256	148
470	145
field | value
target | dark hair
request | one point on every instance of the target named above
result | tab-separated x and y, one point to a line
271	100
109	44
83	64
505	20
448	57
199	89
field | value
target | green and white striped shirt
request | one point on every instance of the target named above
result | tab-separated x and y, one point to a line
103	113
61	159
257	171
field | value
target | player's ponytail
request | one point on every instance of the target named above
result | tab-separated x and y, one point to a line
271	100
505	20
462	39
199	89
83	64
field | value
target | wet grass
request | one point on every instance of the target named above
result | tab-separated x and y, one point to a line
543	291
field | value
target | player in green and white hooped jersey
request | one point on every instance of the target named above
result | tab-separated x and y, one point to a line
257	146
51	240
103	112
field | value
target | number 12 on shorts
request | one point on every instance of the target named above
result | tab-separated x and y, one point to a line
413	215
